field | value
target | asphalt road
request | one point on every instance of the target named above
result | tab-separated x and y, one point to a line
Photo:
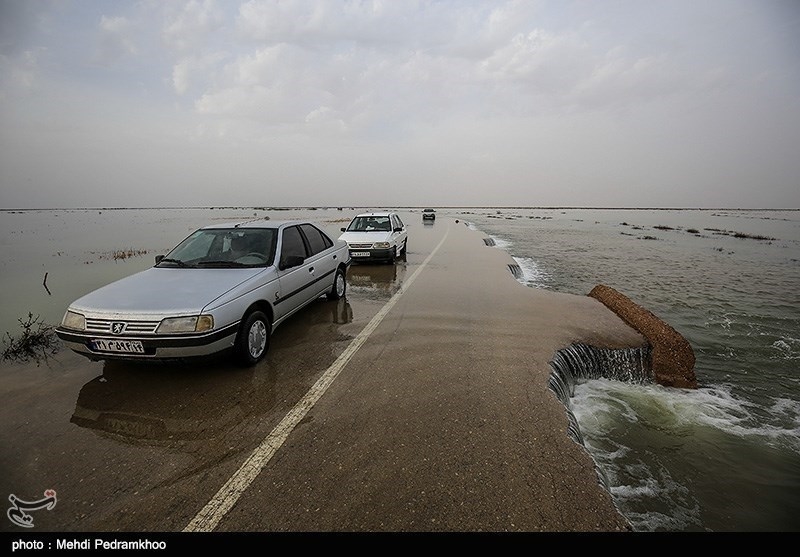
423	406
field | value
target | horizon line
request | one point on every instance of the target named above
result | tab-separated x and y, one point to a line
329	207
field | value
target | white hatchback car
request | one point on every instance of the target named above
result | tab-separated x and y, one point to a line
378	236
226	286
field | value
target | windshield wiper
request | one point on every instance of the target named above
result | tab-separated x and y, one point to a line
221	263
178	262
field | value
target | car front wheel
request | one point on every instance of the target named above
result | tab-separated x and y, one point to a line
339	287
252	341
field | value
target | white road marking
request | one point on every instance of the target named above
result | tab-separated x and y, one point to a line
209	516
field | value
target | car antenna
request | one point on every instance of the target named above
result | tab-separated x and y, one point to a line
238	224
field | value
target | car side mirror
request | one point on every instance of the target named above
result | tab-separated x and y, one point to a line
398	229
292	261
343	229
159	258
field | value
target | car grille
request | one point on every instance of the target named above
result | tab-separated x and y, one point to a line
360	246
131	327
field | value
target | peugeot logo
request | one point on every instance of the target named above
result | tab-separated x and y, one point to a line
118	327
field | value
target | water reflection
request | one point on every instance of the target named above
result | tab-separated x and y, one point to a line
163	403
378	277
173	403
341	311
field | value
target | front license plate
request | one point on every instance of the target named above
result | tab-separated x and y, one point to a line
360	254
125	346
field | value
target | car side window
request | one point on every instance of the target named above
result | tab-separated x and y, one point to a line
399	223
317	240
292	244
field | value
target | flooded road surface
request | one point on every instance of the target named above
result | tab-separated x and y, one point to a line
144	446
440	419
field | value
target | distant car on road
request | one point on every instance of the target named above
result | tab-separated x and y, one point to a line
226	286
428	214
377	236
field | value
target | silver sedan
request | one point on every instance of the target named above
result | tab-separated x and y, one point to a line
225	286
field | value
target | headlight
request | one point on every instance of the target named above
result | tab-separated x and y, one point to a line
381	245
74	320
195	324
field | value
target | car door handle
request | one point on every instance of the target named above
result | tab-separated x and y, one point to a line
311	269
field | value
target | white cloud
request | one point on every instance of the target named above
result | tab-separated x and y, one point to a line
275	84
377	62
544	61
115	39
194	70
617	80
190	24
19	73
330	20
181	75
591	95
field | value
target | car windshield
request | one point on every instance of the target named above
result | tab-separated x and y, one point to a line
370	224
224	248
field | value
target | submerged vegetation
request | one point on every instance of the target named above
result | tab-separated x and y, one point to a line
125	253
36	341
696	232
119	254
740	234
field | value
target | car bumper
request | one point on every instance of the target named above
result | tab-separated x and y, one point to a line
154	347
357	255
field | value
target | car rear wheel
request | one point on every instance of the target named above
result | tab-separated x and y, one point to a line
252	341
339	287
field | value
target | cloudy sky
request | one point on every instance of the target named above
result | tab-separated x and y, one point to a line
635	103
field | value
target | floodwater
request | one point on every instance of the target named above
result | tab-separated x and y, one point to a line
724	457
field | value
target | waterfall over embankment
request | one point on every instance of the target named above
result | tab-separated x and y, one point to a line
581	362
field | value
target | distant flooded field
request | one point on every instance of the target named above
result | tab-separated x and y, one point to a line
52	257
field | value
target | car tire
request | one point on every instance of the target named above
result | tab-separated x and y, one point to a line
339	287
252	342
393	256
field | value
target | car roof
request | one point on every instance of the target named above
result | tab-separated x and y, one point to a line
375	214
256	223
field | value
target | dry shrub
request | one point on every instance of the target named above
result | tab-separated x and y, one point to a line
36	341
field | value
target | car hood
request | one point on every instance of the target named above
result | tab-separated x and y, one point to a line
164	291
365	237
